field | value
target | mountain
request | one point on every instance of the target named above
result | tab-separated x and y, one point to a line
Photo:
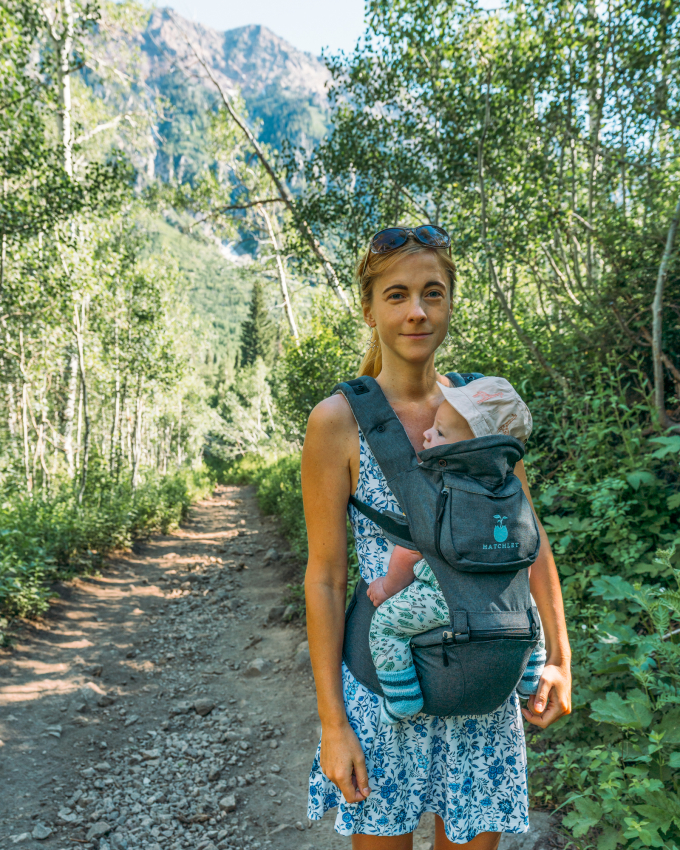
251	58
284	89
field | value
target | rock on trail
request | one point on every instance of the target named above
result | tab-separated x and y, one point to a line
168	703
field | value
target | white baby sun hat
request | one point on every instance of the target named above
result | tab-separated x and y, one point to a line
491	406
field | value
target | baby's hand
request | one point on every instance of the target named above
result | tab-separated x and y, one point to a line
376	592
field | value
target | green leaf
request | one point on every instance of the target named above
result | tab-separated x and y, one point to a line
587	814
670	726
610	838
634	712
674	760
669	445
635	479
562	524
674	501
661	818
613	588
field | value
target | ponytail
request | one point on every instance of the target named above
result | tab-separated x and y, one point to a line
371	364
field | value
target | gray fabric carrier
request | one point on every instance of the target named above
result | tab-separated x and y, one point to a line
465	511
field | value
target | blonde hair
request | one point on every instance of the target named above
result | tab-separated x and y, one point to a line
369	268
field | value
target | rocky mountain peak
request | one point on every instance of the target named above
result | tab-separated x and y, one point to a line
252	58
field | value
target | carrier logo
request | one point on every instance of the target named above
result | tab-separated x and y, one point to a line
500	533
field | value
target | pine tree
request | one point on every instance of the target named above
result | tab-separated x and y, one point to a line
258	332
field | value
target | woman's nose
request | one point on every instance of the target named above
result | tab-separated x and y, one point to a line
417	313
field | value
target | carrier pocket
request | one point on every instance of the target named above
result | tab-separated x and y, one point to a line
479	531
473	676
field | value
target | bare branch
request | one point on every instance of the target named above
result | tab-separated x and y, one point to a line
285	195
108	125
500	295
583	221
233	207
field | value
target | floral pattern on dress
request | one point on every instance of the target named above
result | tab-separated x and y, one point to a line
469	770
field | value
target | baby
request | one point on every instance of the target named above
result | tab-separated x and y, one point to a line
409	597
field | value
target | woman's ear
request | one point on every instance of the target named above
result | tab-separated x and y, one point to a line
368	316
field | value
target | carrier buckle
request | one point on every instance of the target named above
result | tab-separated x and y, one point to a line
447	640
460	627
534	625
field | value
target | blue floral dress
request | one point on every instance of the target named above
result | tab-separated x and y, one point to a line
469	770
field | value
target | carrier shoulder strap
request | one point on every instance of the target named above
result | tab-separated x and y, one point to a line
380	425
387	439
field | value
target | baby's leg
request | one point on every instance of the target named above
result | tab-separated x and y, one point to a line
531	677
417	608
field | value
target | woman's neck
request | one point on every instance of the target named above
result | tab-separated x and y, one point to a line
408	383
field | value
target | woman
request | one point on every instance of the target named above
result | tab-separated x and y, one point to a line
469	771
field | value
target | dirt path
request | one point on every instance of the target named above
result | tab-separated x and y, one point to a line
165	704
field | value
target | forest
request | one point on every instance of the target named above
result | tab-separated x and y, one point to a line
542	135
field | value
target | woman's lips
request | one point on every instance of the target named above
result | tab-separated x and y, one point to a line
418	336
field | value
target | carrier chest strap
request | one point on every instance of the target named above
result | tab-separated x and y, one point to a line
389	521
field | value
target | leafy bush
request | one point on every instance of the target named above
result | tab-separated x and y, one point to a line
44	539
607	490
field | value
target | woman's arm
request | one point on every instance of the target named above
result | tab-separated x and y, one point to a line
553	698
330	444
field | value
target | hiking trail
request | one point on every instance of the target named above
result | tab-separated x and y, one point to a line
166	703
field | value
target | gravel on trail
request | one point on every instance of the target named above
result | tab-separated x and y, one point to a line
168	702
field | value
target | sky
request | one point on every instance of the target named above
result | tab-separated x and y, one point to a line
307	24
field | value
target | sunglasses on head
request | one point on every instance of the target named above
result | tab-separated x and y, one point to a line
394	237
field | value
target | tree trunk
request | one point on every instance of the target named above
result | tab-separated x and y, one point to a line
24	424
70	410
80	330
61	30
657	324
137	436
288	307
116	404
179	436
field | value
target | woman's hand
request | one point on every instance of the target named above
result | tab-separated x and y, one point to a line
343	762
552	700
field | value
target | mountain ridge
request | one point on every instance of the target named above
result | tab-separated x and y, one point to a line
238	55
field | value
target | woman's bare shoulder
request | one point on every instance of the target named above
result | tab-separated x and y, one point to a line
333	418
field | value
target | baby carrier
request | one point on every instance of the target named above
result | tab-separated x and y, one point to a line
465	511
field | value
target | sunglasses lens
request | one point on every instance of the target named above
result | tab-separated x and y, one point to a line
388	240
428	234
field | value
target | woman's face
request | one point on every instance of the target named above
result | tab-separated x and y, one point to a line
410	306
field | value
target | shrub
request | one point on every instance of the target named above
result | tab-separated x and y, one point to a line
47	538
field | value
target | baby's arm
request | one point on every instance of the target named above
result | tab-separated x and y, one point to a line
399	575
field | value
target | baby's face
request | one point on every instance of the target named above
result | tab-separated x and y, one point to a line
449	427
